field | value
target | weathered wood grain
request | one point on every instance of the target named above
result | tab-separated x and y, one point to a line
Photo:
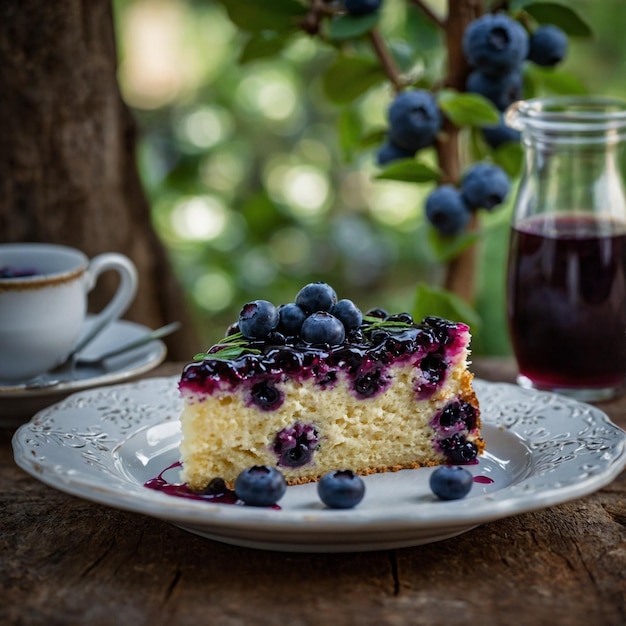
68	561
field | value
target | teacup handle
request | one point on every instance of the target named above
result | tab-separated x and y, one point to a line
120	301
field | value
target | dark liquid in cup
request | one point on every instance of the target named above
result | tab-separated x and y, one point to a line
567	301
7	271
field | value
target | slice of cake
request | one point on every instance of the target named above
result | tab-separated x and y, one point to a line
314	386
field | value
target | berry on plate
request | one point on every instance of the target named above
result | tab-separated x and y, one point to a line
341	489
451	482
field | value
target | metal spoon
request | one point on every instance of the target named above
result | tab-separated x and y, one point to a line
43	382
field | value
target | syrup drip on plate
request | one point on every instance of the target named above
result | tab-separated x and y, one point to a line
181	490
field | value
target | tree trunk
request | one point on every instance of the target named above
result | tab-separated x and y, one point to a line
68	173
461	271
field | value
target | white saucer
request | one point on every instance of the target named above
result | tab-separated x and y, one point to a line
104	444
18	402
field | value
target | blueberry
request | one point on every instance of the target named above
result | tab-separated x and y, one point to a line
405	318
348	314
341	489
316	297
485	186
266	396
446	210
456	412
362	7
294	446
260	485
548	46
389	152
500	134
495	44
451	482
377	313
458	450
414	120
257	319
501	90
290	318
323	328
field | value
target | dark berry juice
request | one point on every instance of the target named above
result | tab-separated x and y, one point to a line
567	301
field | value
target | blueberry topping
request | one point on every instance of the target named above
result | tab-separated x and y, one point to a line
294	446
257	319
316	297
341	489
348	314
405	318
377	313
458	450
323	328
451	482
266	397
260	485
290	318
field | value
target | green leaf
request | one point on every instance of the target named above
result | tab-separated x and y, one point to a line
254	16
555	81
560	15
261	46
409	171
468	109
509	157
350	129
445	248
352	26
373	138
437	301
350	77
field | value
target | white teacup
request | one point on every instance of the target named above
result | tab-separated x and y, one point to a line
44	305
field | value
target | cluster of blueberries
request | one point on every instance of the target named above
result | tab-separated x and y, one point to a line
316	316
496	47
483	186
262	485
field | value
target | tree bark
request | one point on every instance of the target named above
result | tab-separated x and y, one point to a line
460	275
68	172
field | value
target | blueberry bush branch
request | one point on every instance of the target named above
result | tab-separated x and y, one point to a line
495	53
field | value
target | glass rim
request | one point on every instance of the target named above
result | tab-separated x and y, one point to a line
561	114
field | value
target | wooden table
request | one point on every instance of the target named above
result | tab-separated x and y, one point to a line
67	561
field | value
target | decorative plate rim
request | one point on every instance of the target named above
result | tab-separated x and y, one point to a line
563	465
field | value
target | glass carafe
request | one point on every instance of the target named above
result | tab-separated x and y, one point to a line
566	276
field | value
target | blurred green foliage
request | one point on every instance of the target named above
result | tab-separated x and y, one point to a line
257	155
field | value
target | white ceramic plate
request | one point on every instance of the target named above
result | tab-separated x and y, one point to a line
16	401
104	444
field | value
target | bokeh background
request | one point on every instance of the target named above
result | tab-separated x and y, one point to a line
255	190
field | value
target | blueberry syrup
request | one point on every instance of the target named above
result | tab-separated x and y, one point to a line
483	480
215	492
181	490
363	358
